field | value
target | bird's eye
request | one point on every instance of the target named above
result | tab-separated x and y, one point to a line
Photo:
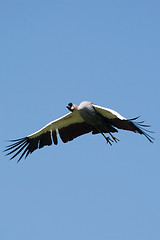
70	104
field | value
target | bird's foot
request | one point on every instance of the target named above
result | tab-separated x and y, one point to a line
109	140
115	139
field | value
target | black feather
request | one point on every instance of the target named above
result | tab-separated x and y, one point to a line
27	145
139	128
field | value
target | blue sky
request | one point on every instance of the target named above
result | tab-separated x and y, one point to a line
56	52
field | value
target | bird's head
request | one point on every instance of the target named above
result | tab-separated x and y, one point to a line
71	107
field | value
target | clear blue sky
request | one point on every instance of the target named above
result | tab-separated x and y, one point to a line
56	52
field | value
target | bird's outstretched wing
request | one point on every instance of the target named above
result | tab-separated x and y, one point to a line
69	127
118	121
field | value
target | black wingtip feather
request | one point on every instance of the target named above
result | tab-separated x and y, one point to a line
25	146
133	119
140	129
19	145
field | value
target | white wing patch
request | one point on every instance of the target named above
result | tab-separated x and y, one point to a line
108	113
61	122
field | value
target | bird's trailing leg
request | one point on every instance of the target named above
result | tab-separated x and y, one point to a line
113	137
108	139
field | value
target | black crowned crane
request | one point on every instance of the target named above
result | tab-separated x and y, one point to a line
85	118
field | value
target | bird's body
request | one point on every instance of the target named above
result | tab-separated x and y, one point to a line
85	118
89	114
93	118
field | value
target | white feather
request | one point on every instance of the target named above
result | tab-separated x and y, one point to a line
61	122
109	113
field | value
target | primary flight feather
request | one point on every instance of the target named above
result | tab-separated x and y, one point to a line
85	118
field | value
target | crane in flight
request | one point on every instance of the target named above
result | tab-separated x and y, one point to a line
82	119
